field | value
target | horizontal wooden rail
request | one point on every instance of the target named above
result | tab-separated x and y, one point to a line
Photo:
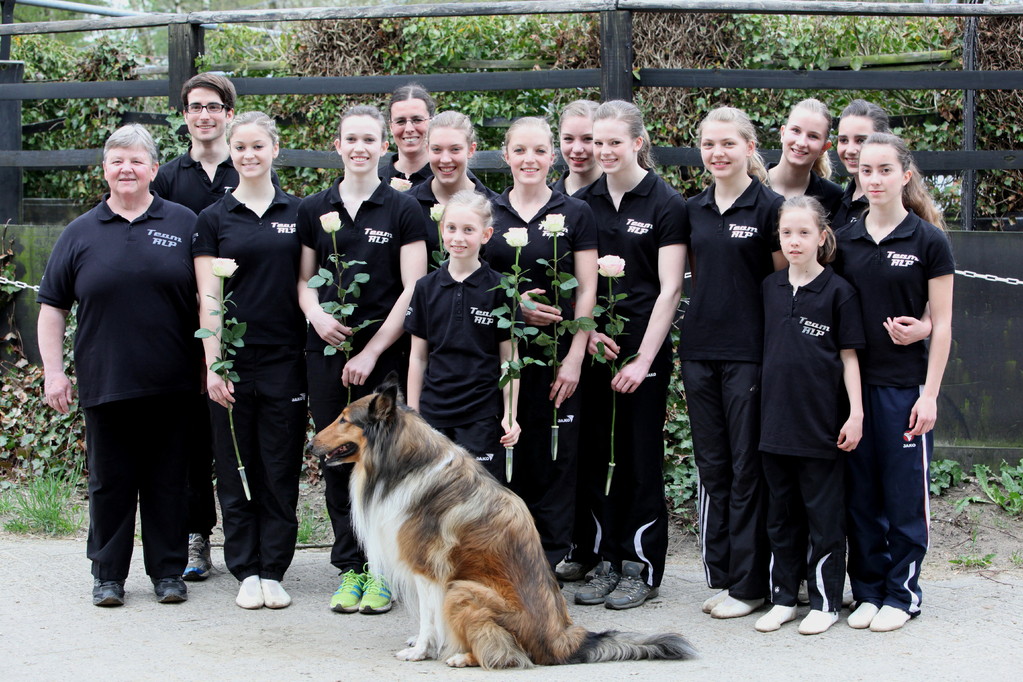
491	160
453	9
830	80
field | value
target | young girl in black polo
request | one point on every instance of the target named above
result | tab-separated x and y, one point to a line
451	142
733	247
384	229
805	167
410	111
641	219
575	129
900	261
255	226
457	346
812	326
857	122
546	480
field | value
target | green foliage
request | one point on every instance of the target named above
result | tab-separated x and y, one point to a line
1006	489
972	561
945	474
44	504
36	439
680	475
312	528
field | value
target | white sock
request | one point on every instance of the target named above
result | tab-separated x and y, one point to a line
735	608
775	618
817	622
274	596
709	605
250	594
861	617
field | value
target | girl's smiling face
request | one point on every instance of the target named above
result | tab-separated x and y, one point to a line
724	151
360	144
450	152
804	137
882	176
800	236
464	232
615	150
529	153
853	131
252	150
577	144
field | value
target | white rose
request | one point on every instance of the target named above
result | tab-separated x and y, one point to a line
553	225
437	212
331	222
224	267
611	266
517	237
401	184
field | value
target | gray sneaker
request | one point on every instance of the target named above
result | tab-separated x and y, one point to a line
571	571
632	590
605	580
199	566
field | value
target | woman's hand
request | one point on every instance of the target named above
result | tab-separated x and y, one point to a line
631	376
58	391
511	433
851	433
566	382
610	347
330	330
907	330
358	369
542	315
923	416
219	391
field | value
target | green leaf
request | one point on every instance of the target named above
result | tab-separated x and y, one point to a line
315	282
361	277
204	333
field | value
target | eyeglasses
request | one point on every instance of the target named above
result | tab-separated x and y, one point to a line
212	107
415	120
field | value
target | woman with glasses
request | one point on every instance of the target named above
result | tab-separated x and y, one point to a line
410	110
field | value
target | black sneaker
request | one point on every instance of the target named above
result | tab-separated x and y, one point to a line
170	590
107	592
605	580
632	590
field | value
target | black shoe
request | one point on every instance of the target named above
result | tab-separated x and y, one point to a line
107	592
170	590
632	590
605	580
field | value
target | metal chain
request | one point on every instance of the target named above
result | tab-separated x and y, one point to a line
989	278
20	285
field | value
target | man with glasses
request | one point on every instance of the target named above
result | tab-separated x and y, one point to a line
203	174
197	179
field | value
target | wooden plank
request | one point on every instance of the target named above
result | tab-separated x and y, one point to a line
929	162
86	25
445	82
969	187
616	56
10	139
6	17
831	80
499	64
817	7
451	9
83	90
185	43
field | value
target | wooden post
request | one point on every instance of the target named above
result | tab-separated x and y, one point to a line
8	18
616	56
969	187
184	45
10	139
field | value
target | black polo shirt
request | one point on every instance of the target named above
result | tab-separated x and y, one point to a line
135	288
264	290
460	385
731	256
803	398
828	193
651	215
427	200
559	186
384	223
892	280
388	171
848	210
184	181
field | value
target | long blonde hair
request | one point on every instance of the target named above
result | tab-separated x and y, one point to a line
629	114
822	165
914	193
755	163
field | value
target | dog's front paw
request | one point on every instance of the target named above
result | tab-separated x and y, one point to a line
411	641
413	653
465	660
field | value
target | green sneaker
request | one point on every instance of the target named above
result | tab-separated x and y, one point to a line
376	595
349	593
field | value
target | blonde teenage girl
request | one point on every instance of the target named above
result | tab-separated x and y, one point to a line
576	134
805	167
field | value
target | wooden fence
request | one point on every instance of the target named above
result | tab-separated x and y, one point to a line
616	78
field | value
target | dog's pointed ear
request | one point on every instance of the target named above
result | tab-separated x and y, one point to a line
392	380
384	406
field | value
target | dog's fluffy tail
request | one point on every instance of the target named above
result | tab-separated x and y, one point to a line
626	646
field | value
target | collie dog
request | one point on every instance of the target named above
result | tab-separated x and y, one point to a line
462	546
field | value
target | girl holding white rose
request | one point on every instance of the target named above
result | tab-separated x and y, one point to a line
640	222
254	226
562	228
378	232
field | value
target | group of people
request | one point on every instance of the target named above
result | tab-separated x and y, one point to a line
532	328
